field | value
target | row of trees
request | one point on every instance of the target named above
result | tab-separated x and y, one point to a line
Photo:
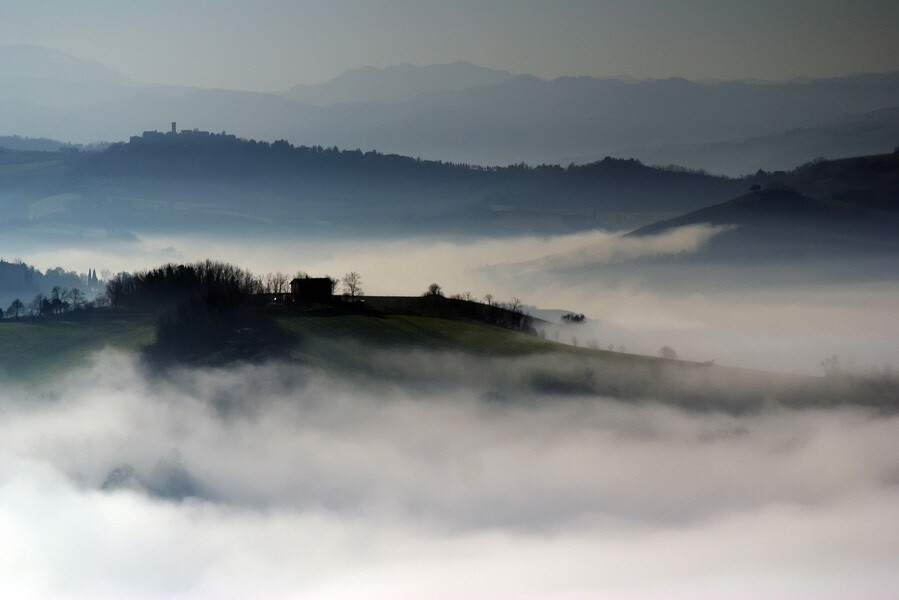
59	301
169	285
505	314
207	288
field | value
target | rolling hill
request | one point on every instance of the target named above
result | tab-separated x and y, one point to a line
425	352
825	209
205	181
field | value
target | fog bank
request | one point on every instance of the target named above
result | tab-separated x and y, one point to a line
274	480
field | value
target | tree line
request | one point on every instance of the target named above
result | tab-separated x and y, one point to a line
60	300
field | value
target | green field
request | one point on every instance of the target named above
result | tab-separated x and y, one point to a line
14	168
32	349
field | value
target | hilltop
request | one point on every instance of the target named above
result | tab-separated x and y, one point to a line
823	209
212	314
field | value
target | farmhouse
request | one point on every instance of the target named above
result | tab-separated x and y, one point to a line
309	290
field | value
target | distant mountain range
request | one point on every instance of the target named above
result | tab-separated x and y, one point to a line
854	135
395	84
464	113
26	62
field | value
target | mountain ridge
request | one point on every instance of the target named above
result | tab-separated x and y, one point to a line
395	83
516	118
27	61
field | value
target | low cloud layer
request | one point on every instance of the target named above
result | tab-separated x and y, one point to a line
458	260
272	481
609	248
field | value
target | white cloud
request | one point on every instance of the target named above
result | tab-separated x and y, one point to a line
323	488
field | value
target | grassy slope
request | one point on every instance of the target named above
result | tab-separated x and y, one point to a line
32	347
343	343
33	350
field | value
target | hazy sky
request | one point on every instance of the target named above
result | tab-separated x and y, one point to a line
273	44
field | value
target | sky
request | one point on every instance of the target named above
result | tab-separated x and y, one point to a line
272	45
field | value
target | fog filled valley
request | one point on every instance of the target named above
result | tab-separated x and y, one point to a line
275	479
428	463
593	301
721	421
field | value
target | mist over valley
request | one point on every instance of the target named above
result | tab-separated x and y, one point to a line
535	301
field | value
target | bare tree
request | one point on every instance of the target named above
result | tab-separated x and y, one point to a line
488	299
667	352
15	308
352	284
39	305
434	290
57	302
76	298
275	283
280	282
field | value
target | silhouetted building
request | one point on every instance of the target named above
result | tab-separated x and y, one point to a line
312	289
184	137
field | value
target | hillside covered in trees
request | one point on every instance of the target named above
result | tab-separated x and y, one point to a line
823	210
160	181
19	281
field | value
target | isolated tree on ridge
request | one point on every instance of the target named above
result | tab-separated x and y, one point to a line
352	284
